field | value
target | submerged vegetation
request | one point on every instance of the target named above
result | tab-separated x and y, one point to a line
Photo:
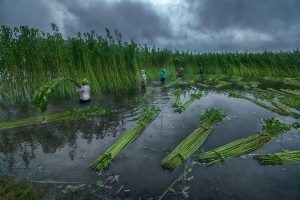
27	53
178	106
11	189
278	158
272	128
193	142
103	162
279	108
77	113
194	96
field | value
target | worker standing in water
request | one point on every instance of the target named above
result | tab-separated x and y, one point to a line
84	91
144	80
163	76
181	73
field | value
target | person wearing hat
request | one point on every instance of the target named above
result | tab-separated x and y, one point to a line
163	76
181	73
144	80
84	91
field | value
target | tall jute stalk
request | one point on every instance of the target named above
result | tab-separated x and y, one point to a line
42	96
193	142
271	129
106	158
278	158
74	114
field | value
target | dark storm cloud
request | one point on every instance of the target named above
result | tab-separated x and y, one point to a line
204	25
25	12
132	18
263	24
135	20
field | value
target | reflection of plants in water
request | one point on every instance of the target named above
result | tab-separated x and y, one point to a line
51	137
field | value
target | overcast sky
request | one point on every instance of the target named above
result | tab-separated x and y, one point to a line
202	25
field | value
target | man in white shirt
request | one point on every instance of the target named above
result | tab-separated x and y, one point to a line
84	91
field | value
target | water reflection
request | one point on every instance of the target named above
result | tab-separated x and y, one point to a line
23	141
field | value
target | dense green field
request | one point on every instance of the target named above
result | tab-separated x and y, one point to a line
29	57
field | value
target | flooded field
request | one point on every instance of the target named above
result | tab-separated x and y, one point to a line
56	156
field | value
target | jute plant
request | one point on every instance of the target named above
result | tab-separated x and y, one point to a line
278	158
272	128
77	113
176	101
181	107
193	142
279	108
42	96
103	162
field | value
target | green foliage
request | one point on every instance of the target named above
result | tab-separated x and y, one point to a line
296	125
292	92
293	102
271	129
176	101
42	96
146	117
111	64
223	84
179	107
11	189
279	108
278	158
193	142
77	113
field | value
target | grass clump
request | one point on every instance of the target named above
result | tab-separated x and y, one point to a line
42	96
146	117
77	113
180	107
193	142
176	101
271	129
11	189
293	102
278	158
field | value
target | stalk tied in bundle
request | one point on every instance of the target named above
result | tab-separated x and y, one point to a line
103	162
271	129
193	142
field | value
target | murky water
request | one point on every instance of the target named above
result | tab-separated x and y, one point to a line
62	151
